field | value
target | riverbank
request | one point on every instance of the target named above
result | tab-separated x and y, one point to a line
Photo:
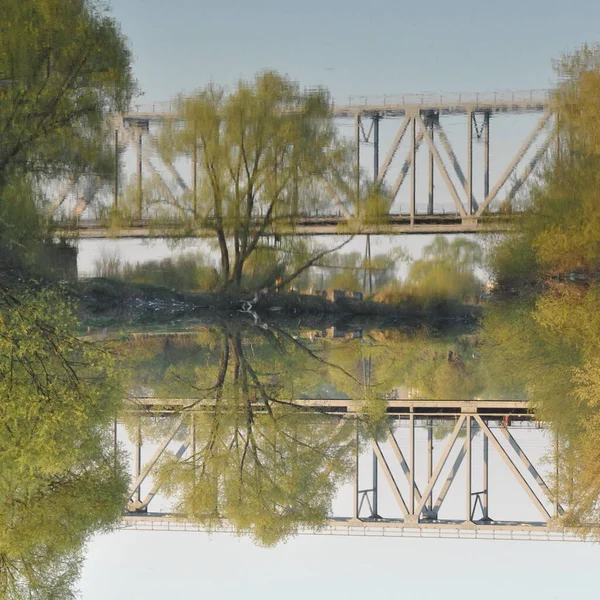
103	301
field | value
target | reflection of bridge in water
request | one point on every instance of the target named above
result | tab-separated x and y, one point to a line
475	202
402	484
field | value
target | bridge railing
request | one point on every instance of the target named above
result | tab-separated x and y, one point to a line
537	96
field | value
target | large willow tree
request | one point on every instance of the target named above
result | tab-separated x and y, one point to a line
64	66
264	151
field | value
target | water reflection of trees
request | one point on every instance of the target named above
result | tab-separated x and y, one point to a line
547	348
543	350
60	480
260	457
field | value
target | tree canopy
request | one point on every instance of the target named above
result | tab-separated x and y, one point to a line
64	66
560	230
265	151
60	480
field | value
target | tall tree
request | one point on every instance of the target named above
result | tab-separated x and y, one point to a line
266	151
560	230
64	66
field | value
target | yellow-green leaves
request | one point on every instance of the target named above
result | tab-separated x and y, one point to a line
59	395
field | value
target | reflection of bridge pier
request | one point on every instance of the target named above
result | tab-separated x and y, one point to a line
402	485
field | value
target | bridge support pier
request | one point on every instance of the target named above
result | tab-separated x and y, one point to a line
116	185
139	176
486	154
413	171
470	118
431	172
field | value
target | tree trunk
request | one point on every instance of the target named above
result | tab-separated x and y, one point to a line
224	257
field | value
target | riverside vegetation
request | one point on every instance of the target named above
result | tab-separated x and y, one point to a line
64	67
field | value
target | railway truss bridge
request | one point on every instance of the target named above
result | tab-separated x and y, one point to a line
402	484
433	187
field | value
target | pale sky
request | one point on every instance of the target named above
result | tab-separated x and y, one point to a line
368	48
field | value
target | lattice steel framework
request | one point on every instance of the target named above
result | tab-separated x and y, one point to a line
419	507
422	121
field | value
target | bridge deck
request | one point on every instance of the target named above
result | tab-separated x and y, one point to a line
421	407
494	530
309	225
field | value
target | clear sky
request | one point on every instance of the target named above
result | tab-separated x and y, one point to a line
368	48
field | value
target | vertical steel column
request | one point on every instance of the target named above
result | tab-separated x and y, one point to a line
138	460
429	503
116	189
468	473
413	166
556	473
195	179
115	444
486	154
367	271
558	138
139	175
355	503
484	503
431	165
357	143
376	119
375	511
369	279
470	163
411	458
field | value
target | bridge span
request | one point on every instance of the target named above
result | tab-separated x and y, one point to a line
402	479
431	186
315	225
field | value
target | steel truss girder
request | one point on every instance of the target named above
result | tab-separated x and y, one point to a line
466	205
421	506
414	507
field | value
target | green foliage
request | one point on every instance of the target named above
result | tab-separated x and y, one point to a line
60	480
188	272
265	151
446	272
545	349
560	229
64	66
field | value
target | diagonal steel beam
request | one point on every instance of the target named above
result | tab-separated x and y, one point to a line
393	149
159	452
175	174
530	168
156	488
440	465
451	475
337	200
525	459
454	160
404	171
511	465
442	167
403	464
514	162
390	478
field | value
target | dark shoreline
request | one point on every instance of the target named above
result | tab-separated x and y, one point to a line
103	301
